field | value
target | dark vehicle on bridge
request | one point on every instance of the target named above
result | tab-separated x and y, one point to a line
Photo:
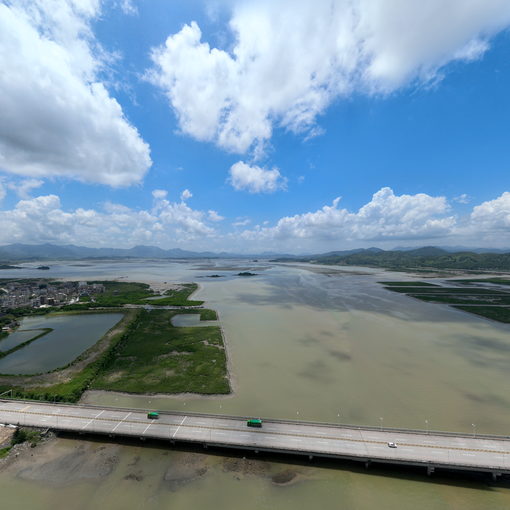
254	422
152	415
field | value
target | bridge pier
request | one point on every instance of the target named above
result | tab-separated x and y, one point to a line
367	464
495	476
310	457
430	470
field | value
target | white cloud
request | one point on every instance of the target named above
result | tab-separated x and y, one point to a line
462	199
57	118
186	194
2	191
386	217
241	222
43	219
214	216
128	7
159	193
290	59
24	188
493	216
255	179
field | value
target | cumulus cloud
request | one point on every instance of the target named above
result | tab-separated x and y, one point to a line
56	116
43	219
255	179
159	193
386	217
290	59
186	194
214	216
492	216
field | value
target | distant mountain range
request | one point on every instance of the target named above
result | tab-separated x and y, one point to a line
48	251
427	257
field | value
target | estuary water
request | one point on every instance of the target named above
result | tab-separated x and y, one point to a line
304	342
71	335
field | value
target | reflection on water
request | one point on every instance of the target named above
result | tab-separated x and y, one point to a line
315	346
71	335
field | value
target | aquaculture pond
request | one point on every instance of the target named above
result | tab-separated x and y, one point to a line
70	336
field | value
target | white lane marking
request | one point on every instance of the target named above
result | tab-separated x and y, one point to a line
89	422
24	409
125	418
146	428
177	430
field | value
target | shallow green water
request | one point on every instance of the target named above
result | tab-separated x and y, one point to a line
71	335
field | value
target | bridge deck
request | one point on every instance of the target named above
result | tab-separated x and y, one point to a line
438	450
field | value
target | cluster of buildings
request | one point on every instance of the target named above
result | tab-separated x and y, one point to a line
37	294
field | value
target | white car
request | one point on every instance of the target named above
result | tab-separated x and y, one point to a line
392	445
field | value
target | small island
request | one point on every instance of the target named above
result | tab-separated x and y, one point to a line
8	266
43	268
246	273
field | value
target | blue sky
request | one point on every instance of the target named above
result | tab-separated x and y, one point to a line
252	126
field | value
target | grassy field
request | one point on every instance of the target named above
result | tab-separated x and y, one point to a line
499	281
461	298
490	312
408	284
464	300
447	290
156	357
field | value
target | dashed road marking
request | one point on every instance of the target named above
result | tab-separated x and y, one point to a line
268	432
177	429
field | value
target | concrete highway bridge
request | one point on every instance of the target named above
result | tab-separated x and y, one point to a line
431	450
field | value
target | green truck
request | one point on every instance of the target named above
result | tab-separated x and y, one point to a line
254	422
152	415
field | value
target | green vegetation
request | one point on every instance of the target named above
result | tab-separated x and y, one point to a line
178	296
499	281
463	300
448	290
495	313
23	435
468	299
69	387
409	284
156	357
120	293
427	257
148	352
208	315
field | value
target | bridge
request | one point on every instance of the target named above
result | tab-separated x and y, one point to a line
431	450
